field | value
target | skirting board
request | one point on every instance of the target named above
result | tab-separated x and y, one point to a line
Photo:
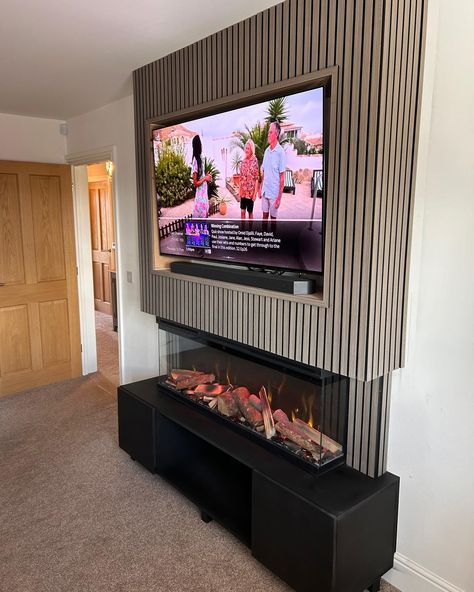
409	576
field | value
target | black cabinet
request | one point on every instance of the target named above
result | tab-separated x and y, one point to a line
330	533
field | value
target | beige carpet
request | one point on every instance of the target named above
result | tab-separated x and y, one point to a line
76	514
107	347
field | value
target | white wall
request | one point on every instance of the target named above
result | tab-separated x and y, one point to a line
431	442
112	125
31	139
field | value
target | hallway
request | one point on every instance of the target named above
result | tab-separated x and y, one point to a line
107	348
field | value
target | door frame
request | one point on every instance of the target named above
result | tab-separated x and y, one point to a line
80	191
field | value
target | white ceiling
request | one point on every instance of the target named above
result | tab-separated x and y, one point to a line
62	58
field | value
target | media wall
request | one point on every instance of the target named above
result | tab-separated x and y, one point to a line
376	50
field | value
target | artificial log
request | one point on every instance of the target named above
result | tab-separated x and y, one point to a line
210	390
241	397
241	392
227	405
318	437
192	381
267	414
280	415
179	373
290	431
255	402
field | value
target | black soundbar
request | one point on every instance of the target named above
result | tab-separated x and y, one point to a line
287	282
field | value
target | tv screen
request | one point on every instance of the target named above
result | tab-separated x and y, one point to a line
245	186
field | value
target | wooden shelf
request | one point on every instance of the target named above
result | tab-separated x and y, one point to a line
315	299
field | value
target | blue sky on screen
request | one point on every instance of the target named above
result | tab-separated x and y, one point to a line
304	109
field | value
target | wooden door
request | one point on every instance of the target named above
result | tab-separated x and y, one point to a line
39	315
103	237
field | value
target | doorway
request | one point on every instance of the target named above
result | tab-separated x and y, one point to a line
104	272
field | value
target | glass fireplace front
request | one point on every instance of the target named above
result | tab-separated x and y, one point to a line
298	410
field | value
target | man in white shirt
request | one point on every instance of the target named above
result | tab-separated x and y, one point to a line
273	176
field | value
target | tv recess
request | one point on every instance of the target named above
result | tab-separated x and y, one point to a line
257	203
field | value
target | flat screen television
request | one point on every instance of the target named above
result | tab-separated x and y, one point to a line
246	185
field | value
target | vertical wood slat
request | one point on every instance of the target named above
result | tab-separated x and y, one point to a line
265	64
352	257
181	76
363	207
340	328
316	34
402	122
246	50
350	424
262	328
286	30
308	37
387	177
314	330
241	58
279	339
305	334
217	70
268	68
406	142
277	48
300	39
323	15
392	183
250	320
235	59
381	191
253	49
332	34
261	46
368	282
293	32
200	64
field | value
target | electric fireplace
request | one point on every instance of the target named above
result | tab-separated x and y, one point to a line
298	411
258	442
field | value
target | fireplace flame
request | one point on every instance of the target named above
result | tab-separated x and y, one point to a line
281	385
217	371
294	414
308	410
269	394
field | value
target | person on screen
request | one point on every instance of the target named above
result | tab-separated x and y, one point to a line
273	176
248	181
200	181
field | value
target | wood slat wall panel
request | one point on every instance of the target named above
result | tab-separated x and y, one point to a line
368	407
378	48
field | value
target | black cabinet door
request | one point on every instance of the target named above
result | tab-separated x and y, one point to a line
291	537
137	421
